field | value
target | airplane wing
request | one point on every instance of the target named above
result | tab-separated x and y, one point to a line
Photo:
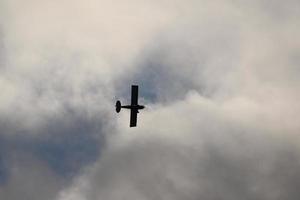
134	94
133	117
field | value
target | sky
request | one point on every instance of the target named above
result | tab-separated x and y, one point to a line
219	79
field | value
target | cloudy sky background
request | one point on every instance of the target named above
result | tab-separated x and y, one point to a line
220	80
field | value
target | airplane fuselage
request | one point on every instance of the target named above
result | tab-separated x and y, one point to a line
134	107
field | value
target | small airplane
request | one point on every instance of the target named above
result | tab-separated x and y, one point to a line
134	107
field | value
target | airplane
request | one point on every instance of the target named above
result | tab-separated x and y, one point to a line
134	107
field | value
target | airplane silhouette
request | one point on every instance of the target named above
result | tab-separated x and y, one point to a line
134	107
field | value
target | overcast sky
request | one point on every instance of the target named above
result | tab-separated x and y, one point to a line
220	81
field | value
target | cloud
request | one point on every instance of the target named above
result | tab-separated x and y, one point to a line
58	64
203	154
219	80
221	112
30	178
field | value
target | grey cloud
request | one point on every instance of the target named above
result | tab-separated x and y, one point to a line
53	119
170	69
275	11
218	78
212	157
30	179
57	88
222	118
64	146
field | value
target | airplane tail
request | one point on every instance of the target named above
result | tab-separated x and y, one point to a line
118	106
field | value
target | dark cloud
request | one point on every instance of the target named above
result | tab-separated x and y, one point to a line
63	147
188	57
30	179
240	168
